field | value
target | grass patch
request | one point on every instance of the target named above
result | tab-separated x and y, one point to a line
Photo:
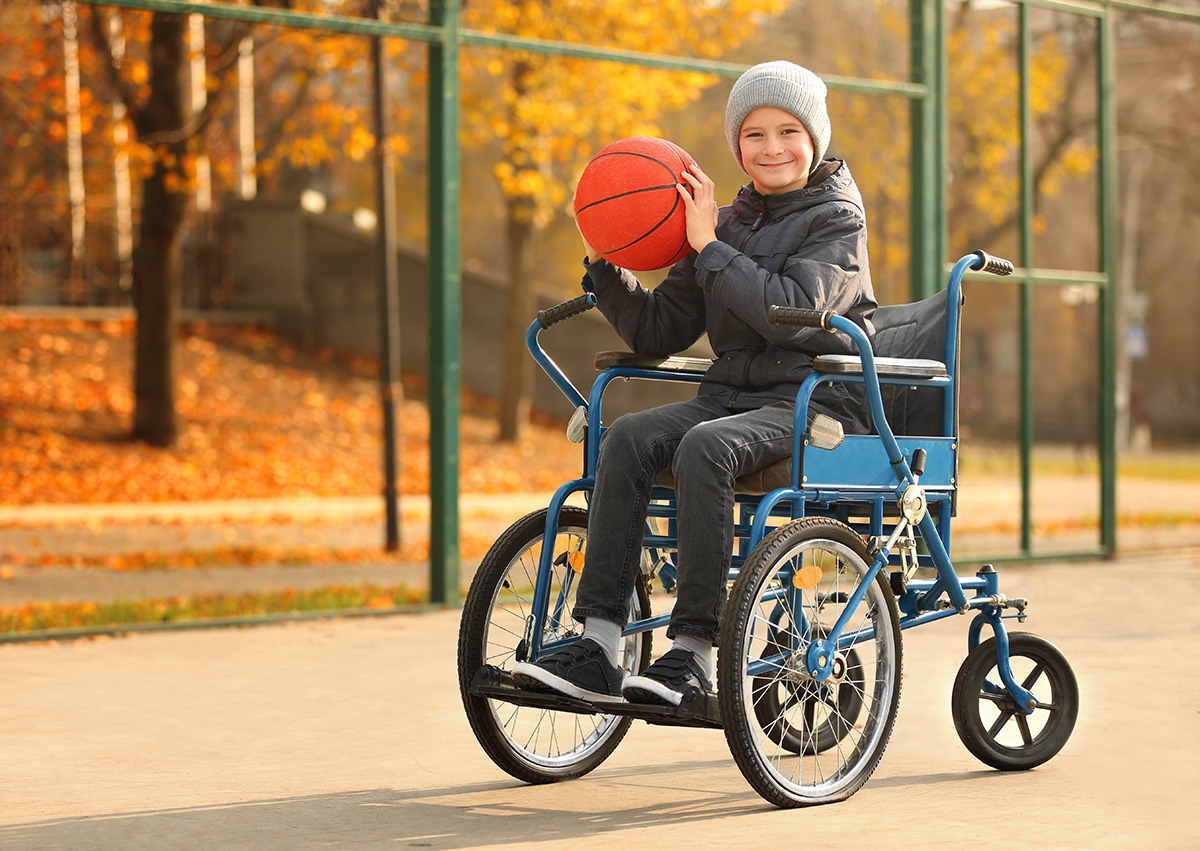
34	617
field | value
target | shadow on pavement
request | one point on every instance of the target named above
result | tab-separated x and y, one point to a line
448	817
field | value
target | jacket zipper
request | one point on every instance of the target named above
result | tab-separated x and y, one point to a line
762	214
758	223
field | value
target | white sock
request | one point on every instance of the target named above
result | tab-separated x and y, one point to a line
605	633
701	648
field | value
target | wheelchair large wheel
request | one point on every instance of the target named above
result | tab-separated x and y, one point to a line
800	740
987	718
532	744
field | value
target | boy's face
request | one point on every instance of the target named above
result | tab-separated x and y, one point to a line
777	150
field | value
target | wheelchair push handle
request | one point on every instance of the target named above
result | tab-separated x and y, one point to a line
566	310
803	316
546	318
993	265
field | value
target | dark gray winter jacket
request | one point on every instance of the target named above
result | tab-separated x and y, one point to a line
806	248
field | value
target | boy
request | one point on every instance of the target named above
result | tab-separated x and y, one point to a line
795	235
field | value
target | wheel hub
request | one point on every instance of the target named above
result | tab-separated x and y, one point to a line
817	663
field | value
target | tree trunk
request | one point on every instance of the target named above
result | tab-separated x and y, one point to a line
517	389
156	267
1129	237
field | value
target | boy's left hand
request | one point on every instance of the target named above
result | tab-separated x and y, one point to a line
701	207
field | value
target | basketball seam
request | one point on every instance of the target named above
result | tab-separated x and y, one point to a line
638	154
661	222
626	195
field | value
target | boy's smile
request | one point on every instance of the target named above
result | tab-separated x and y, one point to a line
777	150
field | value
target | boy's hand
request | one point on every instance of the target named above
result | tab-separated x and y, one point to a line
701	207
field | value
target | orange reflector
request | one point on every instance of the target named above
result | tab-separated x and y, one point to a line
575	560
807	576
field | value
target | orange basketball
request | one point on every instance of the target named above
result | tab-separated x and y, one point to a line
627	206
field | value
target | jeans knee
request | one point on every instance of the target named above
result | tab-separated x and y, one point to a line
622	440
702	453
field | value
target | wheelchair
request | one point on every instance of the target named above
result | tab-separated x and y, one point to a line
838	549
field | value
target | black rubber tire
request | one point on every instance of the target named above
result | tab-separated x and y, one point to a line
806	768
986	717
534	745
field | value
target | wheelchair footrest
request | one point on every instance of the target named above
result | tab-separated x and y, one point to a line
696	710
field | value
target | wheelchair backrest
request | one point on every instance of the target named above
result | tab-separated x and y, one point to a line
917	330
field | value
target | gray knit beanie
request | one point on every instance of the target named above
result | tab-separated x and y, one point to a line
787	86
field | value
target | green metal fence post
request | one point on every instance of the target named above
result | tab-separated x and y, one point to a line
1109	293
929	147
1026	283
445	304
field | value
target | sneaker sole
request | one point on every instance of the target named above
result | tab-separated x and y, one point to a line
646	690
531	677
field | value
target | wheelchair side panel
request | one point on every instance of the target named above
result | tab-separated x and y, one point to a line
861	463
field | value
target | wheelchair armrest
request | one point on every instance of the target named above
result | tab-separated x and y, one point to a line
885	367
674	363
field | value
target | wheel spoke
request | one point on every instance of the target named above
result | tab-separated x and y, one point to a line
1023	726
793	700
1033	677
998	725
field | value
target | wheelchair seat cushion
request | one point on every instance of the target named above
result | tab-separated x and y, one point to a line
758	483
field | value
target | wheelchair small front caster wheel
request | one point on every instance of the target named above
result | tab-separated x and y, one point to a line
988	720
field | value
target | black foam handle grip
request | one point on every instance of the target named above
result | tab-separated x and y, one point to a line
566	310
994	265
780	315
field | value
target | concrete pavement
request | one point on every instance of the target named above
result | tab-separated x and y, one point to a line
349	734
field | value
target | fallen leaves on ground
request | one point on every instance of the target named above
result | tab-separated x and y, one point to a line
411	550
262	418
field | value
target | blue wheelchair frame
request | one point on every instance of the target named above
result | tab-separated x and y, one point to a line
864	475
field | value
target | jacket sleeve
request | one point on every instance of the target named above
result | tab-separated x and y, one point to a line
822	273
658	322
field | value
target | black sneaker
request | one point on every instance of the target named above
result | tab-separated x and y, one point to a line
671	677
580	669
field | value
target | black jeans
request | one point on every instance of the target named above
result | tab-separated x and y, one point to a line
707	447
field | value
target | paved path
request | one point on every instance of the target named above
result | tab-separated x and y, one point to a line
349	734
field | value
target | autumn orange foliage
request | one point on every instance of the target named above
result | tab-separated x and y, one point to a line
264	419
